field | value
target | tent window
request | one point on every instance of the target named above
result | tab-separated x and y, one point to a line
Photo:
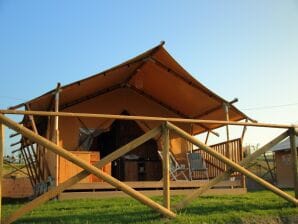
87	137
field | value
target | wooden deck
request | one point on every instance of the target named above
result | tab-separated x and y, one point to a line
149	188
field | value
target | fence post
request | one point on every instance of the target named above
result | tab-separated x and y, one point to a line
294	159
166	166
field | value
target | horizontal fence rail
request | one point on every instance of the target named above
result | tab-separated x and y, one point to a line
145	118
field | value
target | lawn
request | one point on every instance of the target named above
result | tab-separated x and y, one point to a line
253	207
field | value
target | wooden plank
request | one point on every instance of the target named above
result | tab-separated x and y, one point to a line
149	193
233	165
53	192
146	118
166	166
294	160
2	138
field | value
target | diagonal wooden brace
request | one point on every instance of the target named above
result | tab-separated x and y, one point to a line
232	164
196	193
79	162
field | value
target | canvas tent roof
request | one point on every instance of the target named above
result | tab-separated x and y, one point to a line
153	75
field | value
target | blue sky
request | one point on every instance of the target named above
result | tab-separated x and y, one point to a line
244	49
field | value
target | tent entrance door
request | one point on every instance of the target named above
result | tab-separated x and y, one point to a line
142	163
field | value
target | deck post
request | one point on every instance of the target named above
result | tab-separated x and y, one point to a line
1	164
233	165
294	159
166	167
226	109
56	128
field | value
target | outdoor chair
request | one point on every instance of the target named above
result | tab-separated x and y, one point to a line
176	169
196	162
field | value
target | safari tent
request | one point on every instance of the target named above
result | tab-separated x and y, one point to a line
124	130
151	84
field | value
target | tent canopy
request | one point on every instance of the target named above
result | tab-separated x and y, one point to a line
154	76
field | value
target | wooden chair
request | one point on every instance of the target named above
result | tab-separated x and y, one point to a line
176	169
196	162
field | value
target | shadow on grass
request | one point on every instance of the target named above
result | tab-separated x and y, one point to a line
98	217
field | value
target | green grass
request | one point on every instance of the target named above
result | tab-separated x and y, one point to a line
253	207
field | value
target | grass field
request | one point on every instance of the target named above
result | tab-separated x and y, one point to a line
253	207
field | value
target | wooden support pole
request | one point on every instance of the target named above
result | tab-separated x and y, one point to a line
56	129
166	167
244	131
207	137
1	163
233	165
227	154
294	159
53	192
56	109
146	118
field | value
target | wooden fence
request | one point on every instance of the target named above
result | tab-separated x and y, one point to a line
230	164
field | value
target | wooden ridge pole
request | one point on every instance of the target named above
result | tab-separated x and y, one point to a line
232	164
145	118
66	184
1	163
166	166
294	160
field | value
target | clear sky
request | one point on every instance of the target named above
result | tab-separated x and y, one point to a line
244	49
